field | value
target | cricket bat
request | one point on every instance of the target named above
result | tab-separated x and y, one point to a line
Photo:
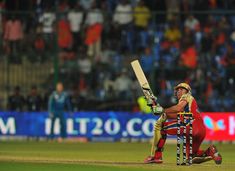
139	73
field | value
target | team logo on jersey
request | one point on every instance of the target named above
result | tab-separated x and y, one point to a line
213	125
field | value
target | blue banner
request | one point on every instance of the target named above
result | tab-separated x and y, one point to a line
114	125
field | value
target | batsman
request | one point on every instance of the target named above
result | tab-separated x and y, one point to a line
186	103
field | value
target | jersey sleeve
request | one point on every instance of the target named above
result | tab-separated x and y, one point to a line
186	97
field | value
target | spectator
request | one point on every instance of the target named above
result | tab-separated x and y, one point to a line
192	23
188	56
65	40
94	22
141	16
16	101
123	14
84	65
75	17
222	30
172	34
48	20
123	85
141	21
34	100
13	34
122	19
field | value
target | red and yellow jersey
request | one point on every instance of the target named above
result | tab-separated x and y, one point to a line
191	105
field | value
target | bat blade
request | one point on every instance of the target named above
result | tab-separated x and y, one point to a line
144	84
140	74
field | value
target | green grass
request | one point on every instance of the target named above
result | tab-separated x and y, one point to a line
47	156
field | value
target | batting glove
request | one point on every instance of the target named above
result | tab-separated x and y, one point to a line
158	109
151	101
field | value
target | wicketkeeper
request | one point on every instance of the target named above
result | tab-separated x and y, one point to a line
186	103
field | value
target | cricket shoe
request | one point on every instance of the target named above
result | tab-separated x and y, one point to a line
157	158
201	159
216	156
152	159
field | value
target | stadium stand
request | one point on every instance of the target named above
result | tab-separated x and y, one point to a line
174	41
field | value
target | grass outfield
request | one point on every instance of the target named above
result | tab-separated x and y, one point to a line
48	156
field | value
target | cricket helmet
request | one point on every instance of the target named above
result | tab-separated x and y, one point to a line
183	85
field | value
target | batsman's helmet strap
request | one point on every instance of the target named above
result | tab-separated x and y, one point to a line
183	85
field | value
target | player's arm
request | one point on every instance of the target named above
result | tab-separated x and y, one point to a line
172	111
50	105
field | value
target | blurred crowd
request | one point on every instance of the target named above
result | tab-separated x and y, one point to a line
187	40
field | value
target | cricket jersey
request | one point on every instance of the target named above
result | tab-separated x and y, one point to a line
58	102
191	105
